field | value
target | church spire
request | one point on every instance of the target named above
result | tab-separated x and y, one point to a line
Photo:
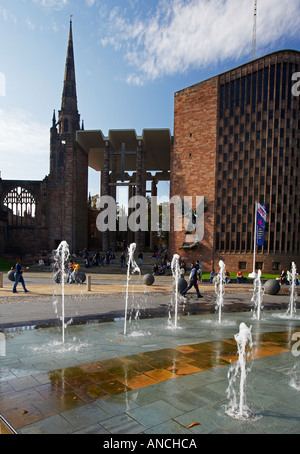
69	116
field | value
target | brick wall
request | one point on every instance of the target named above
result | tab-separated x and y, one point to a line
193	161
233	262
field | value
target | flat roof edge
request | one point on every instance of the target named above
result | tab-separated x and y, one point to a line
282	51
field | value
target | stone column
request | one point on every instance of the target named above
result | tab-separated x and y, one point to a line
113	194
130	237
105	187
153	234
140	190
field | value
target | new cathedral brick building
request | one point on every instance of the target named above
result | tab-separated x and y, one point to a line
236	142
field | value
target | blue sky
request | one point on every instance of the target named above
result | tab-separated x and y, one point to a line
131	56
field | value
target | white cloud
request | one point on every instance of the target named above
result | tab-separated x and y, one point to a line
55	27
52	4
186	34
24	146
4	13
29	24
7	15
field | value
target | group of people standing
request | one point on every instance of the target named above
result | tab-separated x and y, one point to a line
98	259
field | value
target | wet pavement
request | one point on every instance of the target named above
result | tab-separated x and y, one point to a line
160	377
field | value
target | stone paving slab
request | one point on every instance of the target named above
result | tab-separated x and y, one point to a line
101	381
159	380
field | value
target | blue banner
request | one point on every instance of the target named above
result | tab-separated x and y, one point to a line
260	223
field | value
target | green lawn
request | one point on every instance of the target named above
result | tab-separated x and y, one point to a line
5	265
233	276
269	276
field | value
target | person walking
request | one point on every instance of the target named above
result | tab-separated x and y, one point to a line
123	259
193	282
19	276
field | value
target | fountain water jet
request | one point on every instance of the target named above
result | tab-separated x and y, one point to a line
235	409
295	380
61	255
219	288
176	275
258	293
293	295
131	264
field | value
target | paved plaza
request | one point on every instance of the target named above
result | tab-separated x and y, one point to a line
161	375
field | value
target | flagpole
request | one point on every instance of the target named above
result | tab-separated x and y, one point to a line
253	274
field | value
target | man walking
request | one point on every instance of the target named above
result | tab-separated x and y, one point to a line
193	282
19	276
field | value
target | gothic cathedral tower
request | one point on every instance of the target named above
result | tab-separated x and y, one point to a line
68	178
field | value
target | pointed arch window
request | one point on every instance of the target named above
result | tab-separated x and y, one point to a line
21	207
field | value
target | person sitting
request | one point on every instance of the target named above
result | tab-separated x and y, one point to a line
239	277
212	275
227	277
70	271
182	268
283	278
73	277
155	269
162	269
